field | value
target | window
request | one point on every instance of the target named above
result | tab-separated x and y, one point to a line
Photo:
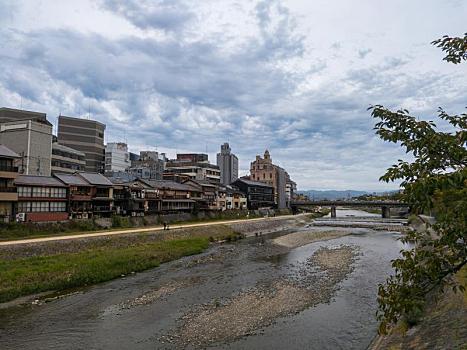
58	206
24	191
44	206
24	207
58	192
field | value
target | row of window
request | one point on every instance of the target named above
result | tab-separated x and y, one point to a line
41	192
264	176
29	207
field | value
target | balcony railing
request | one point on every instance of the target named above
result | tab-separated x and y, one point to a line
101	208
9	168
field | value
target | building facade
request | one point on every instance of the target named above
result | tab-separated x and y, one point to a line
66	159
196	166
41	198
117	157
228	165
8	194
14	115
258	194
149	165
86	136
263	170
32	141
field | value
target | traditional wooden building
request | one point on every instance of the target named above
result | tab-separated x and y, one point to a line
41	198
80	193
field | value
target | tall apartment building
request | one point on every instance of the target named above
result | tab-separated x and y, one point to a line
66	159
228	165
263	170
195	166
117	157
32	140
86	136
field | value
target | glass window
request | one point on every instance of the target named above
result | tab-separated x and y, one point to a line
44	206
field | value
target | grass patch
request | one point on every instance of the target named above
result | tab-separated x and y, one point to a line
59	272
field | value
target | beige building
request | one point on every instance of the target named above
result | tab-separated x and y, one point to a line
263	170
66	159
32	140
86	136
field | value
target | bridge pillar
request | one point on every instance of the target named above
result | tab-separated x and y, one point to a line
385	212
333	211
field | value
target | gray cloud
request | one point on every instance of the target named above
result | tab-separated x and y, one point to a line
268	90
166	15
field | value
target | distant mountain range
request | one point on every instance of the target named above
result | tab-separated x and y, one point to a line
333	194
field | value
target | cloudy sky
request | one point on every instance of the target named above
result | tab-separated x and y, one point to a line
293	76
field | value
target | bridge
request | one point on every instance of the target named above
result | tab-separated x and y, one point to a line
384	205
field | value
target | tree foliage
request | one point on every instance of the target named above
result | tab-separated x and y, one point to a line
434	182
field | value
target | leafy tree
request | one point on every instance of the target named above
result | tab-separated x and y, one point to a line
434	182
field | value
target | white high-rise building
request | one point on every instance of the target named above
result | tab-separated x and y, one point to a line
228	164
117	157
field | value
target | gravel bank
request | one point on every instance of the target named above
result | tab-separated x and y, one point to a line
246	313
298	239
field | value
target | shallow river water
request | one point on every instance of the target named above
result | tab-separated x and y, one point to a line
139	311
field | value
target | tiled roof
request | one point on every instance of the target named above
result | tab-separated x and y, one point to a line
72	179
166	184
38	181
7	153
96	179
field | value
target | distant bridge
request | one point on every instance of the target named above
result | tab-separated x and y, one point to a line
384	205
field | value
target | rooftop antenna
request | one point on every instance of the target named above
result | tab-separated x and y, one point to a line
21	103
89	111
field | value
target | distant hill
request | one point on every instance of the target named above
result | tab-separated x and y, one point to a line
332	194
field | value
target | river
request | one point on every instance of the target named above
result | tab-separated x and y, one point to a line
167	307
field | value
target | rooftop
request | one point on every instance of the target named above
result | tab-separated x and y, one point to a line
72	179
31	180
96	179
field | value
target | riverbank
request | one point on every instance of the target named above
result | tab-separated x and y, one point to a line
443	325
61	265
43	266
20	231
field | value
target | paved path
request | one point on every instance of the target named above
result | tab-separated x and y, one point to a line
135	230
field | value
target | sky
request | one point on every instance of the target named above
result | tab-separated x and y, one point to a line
295	76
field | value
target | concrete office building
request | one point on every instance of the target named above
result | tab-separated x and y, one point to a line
66	159
149	165
86	136
117	157
194	166
228	165
13	115
32	141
